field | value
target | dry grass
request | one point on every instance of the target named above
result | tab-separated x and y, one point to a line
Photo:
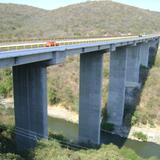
148	110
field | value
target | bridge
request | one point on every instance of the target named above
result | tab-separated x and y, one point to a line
30	84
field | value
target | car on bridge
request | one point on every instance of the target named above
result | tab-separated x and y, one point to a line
52	43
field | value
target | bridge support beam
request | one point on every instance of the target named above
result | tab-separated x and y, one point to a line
30	101
90	98
117	78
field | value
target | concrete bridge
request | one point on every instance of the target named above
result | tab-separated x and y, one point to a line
30	79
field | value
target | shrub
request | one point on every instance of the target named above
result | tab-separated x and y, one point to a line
6	82
10	156
53	87
56	136
141	136
107	126
52	96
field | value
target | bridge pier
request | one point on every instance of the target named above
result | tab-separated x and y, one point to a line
90	98
152	52
30	101
132	75
117	79
157	45
133	64
144	54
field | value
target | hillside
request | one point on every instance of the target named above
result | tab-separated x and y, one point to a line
96	18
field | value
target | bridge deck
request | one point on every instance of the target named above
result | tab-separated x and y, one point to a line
13	58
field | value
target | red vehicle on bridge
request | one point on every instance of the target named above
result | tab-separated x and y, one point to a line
51	44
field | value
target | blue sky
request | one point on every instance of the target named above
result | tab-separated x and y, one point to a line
52	4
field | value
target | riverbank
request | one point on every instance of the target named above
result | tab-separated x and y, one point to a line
152	134
57	111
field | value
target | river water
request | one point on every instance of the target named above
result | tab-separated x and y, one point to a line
70	131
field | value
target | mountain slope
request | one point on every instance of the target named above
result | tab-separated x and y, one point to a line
20	19
84	19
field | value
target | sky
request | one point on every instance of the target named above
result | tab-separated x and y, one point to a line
53	4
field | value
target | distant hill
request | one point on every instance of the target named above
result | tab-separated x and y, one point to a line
96	18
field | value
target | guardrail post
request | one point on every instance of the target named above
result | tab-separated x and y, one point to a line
90	98
30	101
117	78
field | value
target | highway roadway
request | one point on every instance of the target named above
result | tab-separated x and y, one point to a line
25	45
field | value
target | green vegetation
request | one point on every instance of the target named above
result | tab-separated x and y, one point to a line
10	156
96	18
52	150
141	136
6	83
107	126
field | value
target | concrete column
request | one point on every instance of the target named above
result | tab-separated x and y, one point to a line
133	74
117	78
157	46
90	98
133	64
144	54
30	101
152	52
